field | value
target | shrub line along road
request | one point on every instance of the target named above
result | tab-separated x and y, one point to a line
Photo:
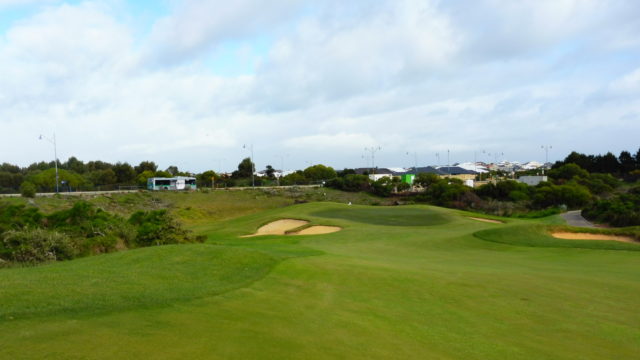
78	193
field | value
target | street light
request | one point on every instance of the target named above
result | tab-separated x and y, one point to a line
546	155
415	161
373	150
253	169
55	154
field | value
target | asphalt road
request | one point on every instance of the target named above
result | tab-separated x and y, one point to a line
574	218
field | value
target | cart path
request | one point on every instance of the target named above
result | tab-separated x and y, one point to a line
574	218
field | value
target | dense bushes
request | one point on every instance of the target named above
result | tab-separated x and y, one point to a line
27	235
621	210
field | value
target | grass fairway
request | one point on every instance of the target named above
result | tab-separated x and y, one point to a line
419	286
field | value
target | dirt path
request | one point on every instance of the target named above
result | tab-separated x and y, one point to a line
574	218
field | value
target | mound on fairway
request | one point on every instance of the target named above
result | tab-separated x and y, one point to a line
587	236
387	216
317	230
142	278
279	227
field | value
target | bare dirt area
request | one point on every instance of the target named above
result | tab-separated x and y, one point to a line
318	229
587	236
486	220
279	227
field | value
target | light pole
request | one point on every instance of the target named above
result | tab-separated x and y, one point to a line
373	150
438	157
448	164
546	155
253	169
415	162
55	155
281	167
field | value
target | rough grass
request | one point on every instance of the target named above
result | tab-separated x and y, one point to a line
370	291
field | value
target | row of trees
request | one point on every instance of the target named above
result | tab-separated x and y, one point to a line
75	174
624	165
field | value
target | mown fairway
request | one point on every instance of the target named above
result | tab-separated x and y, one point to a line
426	289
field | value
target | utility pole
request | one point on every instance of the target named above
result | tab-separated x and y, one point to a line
546	155
373	150
415	162
55	155
253	167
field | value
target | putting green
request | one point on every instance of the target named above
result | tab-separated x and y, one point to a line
388	216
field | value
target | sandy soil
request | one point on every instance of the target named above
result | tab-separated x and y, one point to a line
279	227
586	236
318	229
486	220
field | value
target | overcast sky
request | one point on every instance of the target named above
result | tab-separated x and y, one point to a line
188	83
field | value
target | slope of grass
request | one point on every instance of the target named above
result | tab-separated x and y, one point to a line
538	236
128	280
370	291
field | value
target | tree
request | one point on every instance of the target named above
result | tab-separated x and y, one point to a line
627	162
102	177
607	163
568	172
426	179
125	173
245	169
173	170
319	172
75	165
146	165
270	171
207	178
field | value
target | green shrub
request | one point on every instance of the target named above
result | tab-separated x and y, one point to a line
36	245
28	189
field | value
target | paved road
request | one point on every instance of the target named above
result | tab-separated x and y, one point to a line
574	218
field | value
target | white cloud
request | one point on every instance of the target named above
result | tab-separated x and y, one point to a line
412	76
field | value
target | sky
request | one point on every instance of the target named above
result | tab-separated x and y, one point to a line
199	83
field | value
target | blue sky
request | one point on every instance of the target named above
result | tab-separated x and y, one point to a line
187	83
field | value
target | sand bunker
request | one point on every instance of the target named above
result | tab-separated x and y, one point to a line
284	227
318	229
486	220
279	227
587	236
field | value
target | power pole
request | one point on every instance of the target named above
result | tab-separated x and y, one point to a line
546	155
55	155
373	156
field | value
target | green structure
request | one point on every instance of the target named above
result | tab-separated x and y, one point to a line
407	178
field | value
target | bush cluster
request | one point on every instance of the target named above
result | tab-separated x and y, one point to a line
28	236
